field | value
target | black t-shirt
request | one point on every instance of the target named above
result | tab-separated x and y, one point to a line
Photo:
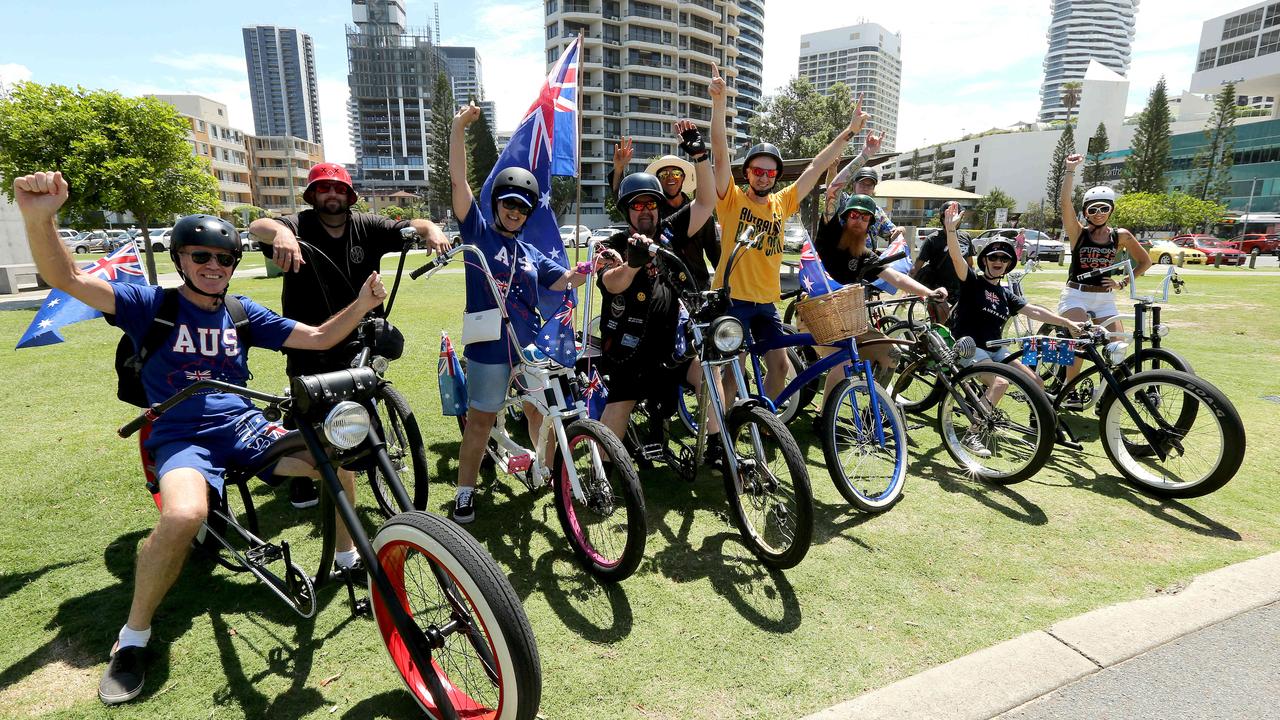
1087	256
694	245
840	263
933	267
638	324
333	274
982	309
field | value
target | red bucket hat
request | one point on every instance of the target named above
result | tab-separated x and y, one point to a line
329	171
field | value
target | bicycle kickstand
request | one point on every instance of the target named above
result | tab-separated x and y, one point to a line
359	606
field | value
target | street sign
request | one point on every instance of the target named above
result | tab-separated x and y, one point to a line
1002	215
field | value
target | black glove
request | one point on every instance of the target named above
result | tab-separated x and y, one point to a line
637	254
692	145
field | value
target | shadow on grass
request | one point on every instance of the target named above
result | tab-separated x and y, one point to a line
11	583
390	704
1001	498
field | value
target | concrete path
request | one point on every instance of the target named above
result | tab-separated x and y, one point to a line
1102	662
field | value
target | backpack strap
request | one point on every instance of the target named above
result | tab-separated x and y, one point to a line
239	318
161	327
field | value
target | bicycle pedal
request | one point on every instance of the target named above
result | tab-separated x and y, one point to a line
519	463
263	555
653	451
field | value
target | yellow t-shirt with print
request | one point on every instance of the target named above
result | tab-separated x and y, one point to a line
755	272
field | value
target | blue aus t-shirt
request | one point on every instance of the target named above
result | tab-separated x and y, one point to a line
202	346
532	270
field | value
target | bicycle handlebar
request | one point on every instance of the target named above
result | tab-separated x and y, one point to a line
432	267
154	412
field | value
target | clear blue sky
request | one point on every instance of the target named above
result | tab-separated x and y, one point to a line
965	68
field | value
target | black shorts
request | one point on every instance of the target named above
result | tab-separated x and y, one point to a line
636	381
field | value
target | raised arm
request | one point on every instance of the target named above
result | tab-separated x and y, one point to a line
462	197
809	178
622	153
719	138
1070	225
838	182
693	146
951	222
39	196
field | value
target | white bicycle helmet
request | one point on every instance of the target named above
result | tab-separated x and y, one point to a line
1101	193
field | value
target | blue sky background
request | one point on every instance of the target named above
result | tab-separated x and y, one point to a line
966	68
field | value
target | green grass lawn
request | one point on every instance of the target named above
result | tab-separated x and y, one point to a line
702	630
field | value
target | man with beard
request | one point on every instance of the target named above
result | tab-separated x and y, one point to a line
341	248
639	307
678	179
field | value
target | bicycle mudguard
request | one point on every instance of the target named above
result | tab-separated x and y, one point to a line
149	466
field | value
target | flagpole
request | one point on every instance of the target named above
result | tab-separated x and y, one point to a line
577	220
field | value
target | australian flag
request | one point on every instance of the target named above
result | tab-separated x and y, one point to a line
545	143
902	266
595	394
556	336
813	276
60	309
453	387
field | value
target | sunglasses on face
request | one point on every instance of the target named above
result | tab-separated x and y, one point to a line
761	172
858	215
1097	209
643	205
330	187
200	257
1000	258
675	173
516	206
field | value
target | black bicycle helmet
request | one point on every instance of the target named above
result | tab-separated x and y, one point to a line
766	149
866	173
637	184
516	182
998	244
204	231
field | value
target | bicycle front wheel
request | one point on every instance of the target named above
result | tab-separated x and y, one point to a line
404	448
869	468
1197	428
481	646
997	423
607	526
771	498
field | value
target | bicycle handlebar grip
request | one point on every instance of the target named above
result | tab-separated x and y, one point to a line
420	271
136	424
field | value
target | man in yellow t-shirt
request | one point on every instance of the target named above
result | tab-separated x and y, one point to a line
754	286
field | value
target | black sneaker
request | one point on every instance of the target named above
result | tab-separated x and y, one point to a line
303	493
124	676
464	508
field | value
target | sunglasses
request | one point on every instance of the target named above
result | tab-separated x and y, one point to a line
858	214
516	206
330	186
761	172
1097	209
643	205
200	257
1000	257
676	173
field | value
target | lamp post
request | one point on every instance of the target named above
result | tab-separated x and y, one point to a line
1253	185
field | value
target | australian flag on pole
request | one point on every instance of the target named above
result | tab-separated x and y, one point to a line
903	265
595	393
453	387
60	309
545	143
556	337
813	276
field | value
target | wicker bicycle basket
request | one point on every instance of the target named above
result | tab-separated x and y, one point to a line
835	315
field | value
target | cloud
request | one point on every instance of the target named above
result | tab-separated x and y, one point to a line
11	73
204	62
510	39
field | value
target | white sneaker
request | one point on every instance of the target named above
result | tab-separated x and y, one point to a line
974	445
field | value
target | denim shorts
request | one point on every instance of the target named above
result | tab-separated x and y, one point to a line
980	354
487	385
241	444
760	319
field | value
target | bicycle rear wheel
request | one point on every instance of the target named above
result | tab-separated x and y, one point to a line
404	448
1202	454
916	387
1005	440
482	648
868	472
774	508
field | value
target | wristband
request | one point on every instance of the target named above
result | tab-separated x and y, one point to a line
583	268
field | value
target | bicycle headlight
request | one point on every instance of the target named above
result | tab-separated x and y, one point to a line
1162	330
727	335
346	425
1116	351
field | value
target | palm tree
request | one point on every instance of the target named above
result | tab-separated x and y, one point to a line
1070	94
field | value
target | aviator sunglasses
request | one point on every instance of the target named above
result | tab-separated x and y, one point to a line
200	257
676	173
643	205
761	172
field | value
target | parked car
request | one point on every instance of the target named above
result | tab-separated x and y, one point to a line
793	238
159	239
1165	252
601	234
1257	244
88	241
1212	247
247	243
570	239
1038	244
67	234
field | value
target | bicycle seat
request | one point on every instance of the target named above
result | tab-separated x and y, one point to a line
531	355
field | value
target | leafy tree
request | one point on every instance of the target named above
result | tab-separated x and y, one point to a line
985	211
440	193
1141	212
1099	144
361	205
564	191
611	207
915	164
1035	216
1149	156
482	153
800	120
1069	92
1213	181
1057	173
119	154
936	167
1187	212
245	214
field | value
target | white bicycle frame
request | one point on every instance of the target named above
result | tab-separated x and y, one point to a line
551	381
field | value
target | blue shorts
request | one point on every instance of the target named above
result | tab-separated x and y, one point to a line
760	319
980	354
240	444
487	385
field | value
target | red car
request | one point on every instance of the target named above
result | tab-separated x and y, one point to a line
1258	244
1212	247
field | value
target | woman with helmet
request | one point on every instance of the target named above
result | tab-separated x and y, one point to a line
843	247
639	306
520	271
756	285
1094	245
196	440
984	304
